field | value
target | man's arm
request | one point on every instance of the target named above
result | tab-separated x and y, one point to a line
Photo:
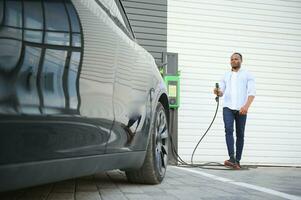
251	94
244	109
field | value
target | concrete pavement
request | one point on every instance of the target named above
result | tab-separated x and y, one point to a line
179	183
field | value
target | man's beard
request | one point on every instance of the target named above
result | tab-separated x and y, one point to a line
235	67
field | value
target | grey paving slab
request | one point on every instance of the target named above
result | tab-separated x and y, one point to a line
86	186
165	197
138	197
91	195
61	196
177	185
150	190
64	188
125	188
112	194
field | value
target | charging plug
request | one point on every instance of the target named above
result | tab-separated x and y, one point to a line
217	88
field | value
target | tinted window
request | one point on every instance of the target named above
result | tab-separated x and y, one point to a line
33	16
48	55
76	40
33	36
10	49
56	16
10	52
13	33
52	78
1	11
72	79
27	79
13	13
57	38
73	18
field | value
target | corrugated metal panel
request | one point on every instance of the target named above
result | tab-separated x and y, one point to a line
268	34
149	23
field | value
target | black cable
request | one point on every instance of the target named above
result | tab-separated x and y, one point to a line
180	160
216	110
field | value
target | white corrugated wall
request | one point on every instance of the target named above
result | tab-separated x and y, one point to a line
268	33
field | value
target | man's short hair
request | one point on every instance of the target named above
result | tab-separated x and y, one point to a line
238	54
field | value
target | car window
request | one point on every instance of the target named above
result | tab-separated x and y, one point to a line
10	35
33	19
33	15
72	77
13	15
10	52
56	16
46	32
1	11
73	18
27	89
52	78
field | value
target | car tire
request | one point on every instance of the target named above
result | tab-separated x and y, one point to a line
155	163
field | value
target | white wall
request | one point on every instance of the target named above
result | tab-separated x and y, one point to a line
268	34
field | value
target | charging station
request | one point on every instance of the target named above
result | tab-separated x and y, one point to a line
171	77
173	87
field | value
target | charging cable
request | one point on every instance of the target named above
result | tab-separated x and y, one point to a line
174	151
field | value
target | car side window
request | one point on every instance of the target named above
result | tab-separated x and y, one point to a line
56	20
44	40
10	35
1	11
14	14
33	15
33	21
56	16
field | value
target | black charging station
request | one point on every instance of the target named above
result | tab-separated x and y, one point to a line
170	73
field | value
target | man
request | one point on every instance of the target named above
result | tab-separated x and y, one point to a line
238	89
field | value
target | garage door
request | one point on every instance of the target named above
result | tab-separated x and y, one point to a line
268	34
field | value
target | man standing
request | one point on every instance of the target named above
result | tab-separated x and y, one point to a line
238	89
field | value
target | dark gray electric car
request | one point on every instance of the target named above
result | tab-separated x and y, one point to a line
77	94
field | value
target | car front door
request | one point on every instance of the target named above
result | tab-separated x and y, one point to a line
57	71
132	89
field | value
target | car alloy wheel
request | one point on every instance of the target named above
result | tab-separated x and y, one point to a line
155	163
161	142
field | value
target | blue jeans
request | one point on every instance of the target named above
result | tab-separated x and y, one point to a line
229	117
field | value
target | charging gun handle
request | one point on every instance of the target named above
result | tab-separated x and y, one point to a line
217	87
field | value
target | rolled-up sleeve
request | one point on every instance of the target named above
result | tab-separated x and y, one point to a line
251	91
223	84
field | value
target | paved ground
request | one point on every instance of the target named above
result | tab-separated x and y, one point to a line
180	183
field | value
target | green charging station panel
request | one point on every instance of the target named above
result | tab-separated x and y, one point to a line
173	89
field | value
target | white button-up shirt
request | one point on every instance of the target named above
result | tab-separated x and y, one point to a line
236	87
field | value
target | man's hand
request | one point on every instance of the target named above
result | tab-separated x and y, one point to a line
218	92
244	110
